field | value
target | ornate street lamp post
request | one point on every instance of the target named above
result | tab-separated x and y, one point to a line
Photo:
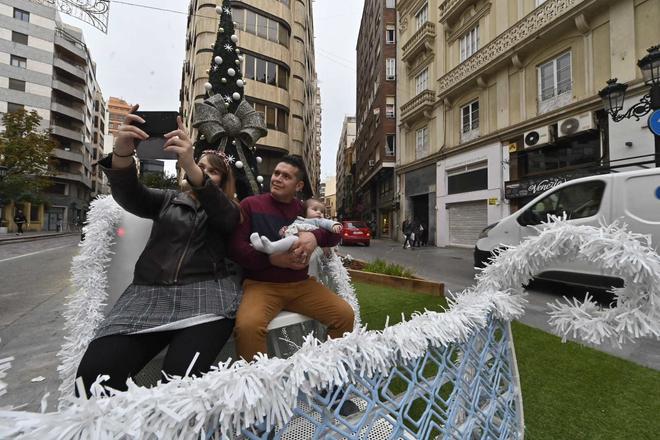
613	95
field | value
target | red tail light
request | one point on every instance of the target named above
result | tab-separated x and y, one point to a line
121	232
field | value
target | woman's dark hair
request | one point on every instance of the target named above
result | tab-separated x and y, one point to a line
296	161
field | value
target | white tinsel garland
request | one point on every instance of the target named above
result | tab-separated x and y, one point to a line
239	395
83	312
5	364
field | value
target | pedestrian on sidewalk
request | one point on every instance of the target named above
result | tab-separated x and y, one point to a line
182	294
20	220
406	228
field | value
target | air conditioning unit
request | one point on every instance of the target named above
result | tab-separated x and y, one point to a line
372	162
575	124
538	136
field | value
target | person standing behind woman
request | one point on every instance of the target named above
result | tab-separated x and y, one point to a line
181	294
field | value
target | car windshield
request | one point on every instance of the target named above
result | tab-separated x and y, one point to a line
356	225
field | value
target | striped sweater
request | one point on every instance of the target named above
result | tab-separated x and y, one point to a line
266	216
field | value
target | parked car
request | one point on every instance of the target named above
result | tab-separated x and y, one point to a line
354	231
630	197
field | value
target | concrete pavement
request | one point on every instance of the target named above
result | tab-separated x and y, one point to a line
454	267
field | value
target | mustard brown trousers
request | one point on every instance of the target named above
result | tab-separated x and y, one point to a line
262	301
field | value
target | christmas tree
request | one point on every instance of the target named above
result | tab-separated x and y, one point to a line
226	121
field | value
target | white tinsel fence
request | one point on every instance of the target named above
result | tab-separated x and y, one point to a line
239	395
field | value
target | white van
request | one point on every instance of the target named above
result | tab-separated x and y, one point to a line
630	197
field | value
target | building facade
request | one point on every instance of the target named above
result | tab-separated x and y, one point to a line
330	197
499	102
375	143
345	167
45	66
276	39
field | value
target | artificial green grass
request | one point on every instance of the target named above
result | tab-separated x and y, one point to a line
569	391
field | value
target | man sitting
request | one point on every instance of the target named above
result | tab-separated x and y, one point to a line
279	281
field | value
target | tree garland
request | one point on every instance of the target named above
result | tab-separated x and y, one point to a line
234	396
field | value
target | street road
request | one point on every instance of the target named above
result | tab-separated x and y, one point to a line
35	282
455	268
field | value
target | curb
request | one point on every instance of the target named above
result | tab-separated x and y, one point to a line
415	285
21	239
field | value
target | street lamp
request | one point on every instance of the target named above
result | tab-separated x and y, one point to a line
614	94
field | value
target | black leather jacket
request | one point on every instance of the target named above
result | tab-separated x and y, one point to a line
188	241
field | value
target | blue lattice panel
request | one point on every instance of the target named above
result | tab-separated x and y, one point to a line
462	391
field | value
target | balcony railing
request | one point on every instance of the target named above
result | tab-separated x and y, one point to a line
501	47
72	112
70	90
419	105
68	42
449	8
421	41
70	67
67	133
68	155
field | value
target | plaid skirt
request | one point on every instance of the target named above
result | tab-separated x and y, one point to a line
141	307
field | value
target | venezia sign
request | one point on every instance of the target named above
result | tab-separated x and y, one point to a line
532	187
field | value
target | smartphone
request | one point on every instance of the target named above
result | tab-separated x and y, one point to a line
156	125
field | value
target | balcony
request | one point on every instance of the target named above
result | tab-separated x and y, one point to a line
521	35
74	177
73	69
420	42
67	133
449	9
70	90
420	106
71	156
69	43
67	110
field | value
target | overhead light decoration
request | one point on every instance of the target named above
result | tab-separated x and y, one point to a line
92	12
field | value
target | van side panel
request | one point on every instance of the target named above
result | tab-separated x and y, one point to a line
639	205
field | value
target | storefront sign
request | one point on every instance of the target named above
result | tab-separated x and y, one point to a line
532	187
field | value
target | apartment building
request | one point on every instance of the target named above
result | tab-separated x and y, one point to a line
45	66
499	102
276	39
345	167
375	142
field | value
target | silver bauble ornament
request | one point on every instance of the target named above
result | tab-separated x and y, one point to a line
260	179
208	86
236	96
231	72
240	83
259	159
223	80
234	38
218	9
218	59
239	164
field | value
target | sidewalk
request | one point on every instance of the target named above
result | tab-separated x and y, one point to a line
11	237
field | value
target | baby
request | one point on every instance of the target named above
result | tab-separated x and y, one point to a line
313	212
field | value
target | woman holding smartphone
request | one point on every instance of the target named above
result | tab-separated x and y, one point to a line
181	295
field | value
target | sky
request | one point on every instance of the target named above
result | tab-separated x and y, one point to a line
140	59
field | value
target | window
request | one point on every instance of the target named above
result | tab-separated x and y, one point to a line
390	69
262	66
577	201
422	142
17	61
34	213
390	3
422	16
390	147
470	117
275	117
390	104
13	107
421	81
19	38
390	34
469	43
261	26
472	180
16	84
555	77
22	15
